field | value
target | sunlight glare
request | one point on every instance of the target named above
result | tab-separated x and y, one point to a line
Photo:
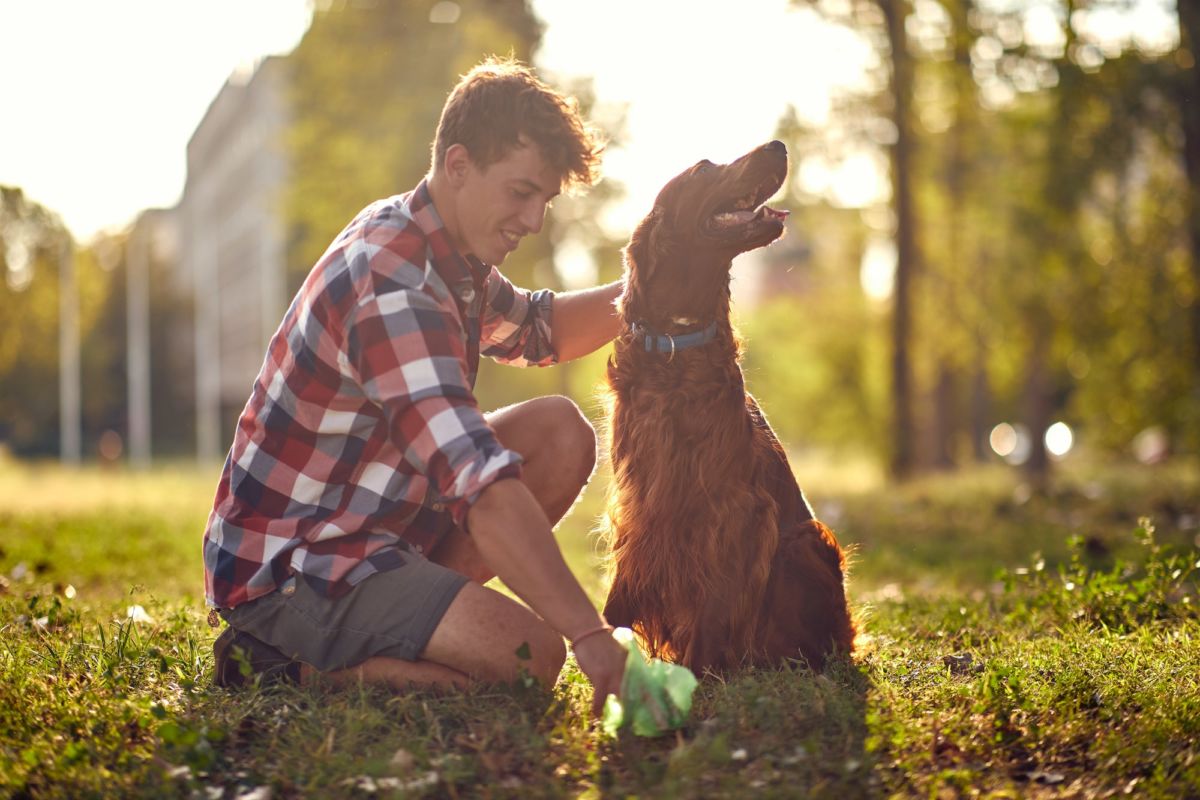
1059	439
1011	442
444	13
877	273
20	266
1003	440
575	265
860	180
1152	445
1043	30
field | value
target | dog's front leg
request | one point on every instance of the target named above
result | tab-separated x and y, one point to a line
708	646
619	608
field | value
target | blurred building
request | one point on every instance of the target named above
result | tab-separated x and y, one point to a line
232	248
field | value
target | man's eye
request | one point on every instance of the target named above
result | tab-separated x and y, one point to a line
522	195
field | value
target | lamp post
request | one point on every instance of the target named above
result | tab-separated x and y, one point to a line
137	342
68	356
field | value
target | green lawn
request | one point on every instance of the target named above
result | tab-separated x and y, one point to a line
1015	645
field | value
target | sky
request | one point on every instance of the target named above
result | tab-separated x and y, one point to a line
100	98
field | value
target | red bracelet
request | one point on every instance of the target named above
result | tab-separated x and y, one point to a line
602	629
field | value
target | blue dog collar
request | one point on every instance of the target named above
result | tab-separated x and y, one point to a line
663	343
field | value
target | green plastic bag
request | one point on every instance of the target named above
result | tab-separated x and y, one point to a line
656	697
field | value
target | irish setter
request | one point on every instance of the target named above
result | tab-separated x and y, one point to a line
718	561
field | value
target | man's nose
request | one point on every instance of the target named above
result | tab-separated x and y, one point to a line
533	215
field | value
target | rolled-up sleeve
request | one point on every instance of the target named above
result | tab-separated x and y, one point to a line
409	357
515	324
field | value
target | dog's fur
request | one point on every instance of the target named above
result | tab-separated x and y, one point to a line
717	559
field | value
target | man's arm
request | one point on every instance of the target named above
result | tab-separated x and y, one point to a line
513	536
585	320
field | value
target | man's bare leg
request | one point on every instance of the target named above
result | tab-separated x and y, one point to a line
558	446
482	631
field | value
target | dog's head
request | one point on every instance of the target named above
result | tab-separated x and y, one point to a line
679	256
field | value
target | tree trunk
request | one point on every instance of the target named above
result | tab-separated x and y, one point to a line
1189	109
946	427
981	402
947	422
1038	405
902	460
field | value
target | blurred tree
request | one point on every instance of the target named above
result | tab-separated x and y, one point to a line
903	456
817	355
884	23
172	362
1090	121
1053	220
33	241
104	355
949	178
368	85
1188	99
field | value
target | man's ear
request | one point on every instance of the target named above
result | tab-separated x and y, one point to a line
457	164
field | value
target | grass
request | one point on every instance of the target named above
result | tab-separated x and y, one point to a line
1017	645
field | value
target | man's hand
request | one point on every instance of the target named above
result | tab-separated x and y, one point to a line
602	659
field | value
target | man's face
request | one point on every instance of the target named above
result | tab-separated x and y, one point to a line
500	203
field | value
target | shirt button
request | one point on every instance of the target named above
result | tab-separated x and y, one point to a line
289	590
467	295
438	506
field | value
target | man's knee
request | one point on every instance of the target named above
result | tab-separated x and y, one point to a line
570	437
547	654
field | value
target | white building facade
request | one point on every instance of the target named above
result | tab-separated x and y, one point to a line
232	243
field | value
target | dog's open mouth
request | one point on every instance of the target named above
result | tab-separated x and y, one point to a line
733	217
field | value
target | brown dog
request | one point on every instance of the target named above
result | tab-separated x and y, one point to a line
718	561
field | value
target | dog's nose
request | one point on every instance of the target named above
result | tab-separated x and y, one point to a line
776	145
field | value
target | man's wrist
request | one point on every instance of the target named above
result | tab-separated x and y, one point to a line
602	628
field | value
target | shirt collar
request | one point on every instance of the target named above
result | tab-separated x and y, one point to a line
454	268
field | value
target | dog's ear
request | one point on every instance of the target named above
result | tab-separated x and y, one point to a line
638	254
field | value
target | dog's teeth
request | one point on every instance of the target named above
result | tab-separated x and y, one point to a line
731	218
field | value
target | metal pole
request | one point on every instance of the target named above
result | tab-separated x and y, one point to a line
208	409
137	343
68	358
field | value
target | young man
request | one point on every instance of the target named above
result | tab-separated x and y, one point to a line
366	498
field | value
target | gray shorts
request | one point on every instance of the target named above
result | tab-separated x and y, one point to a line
391	613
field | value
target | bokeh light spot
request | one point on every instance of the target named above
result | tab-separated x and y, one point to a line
1059	439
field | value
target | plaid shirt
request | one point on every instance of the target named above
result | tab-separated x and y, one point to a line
362	436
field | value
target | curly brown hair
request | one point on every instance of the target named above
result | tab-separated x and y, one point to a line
501	105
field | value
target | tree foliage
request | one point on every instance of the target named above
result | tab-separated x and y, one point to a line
1055	277
33	243
367	87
